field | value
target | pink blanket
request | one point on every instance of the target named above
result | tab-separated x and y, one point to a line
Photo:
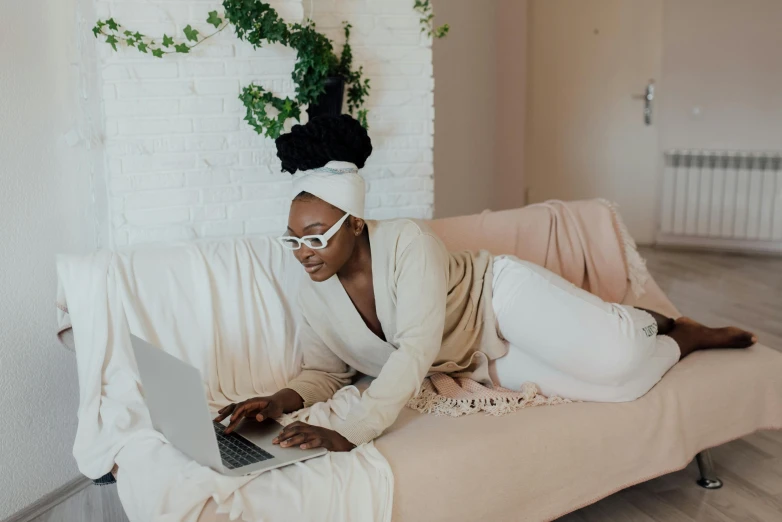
585	242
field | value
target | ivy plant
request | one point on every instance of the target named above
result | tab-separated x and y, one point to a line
257	23
424	7
114	34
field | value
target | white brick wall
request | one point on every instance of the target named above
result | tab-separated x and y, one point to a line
182	164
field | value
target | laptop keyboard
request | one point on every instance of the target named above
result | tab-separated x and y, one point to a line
237	451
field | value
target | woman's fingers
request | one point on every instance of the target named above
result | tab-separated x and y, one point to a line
238	415
291	430
239	411
313	442
293	426
225	412
295	440
235	419
285	434
262	415
245	409
265	412
252	405
307	436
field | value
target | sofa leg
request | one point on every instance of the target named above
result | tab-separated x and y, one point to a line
708	478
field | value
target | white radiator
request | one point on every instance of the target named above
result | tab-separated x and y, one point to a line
722	200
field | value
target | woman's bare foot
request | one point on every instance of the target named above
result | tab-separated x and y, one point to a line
691	335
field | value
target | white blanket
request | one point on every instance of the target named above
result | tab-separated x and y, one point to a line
224	308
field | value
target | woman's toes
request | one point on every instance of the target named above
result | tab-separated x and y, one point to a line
692	335
737	338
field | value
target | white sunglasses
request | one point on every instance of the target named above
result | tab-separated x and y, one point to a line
316	242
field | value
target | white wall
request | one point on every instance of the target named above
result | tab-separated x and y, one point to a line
48	177
183	164
722	83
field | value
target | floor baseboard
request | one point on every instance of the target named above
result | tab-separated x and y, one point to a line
47	502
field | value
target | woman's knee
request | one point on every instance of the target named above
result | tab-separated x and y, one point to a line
620	359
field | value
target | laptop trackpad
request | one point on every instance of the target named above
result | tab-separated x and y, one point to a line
263	433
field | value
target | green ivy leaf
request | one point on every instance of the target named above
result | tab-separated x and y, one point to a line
182	48
96	30
127	33
138	35
191	34
157	53
130	41
111	40
142	47
167	41
112	24
214	19
442	31
362	118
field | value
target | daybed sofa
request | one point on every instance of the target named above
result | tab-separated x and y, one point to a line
543	462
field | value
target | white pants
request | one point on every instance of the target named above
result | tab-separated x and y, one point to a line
572	343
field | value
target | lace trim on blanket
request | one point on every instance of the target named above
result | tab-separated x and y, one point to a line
500	401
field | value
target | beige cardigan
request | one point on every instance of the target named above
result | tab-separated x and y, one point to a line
436	313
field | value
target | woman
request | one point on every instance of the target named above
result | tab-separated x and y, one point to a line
386	299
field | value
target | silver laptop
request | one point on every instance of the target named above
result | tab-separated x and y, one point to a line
175	395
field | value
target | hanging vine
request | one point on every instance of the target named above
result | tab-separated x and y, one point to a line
115	34
424	7
258	24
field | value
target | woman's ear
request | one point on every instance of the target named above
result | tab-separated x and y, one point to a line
357	225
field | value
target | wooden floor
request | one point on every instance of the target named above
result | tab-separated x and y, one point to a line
714	289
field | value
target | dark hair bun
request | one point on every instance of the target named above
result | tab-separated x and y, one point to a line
324	139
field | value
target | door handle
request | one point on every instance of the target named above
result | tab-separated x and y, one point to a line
648	98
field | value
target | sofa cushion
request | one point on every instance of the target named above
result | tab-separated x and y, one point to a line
541	463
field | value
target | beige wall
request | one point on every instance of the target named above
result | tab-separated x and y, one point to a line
509	189
479	71
465	107
720	88
722	81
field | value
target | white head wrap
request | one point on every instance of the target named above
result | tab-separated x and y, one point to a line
337	182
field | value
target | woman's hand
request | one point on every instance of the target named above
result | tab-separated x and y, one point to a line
261	408
307	437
